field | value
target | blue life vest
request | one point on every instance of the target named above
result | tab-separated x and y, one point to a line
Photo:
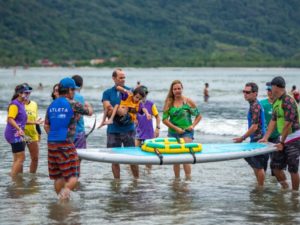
59	114
262	120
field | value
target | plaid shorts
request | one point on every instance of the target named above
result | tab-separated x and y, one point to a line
288	157
63	161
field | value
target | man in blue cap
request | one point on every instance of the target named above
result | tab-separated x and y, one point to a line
60	124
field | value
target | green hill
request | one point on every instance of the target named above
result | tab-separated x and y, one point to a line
151	32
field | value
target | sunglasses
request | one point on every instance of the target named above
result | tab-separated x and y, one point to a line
247	92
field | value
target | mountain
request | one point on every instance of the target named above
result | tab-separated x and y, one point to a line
151	32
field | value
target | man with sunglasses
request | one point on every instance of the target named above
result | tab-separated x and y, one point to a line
60	125
286	118
256	130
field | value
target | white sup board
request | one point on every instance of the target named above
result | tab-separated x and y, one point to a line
209	153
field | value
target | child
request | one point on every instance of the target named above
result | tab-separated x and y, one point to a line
129	106
144	128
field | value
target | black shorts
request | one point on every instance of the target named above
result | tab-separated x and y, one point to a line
289	156
18	147
258	162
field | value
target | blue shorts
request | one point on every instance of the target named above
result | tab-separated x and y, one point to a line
115	140
188	134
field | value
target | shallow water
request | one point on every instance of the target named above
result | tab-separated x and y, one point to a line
218	193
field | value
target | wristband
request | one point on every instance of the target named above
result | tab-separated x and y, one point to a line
282	143
157	127
243	137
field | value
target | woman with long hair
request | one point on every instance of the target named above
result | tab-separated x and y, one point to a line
54	93
14	131
177	116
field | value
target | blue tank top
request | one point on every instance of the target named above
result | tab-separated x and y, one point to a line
59	115
262	122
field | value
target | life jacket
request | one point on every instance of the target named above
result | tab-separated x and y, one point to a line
59	114
262	120
277	108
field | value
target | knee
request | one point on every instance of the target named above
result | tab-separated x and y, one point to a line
20	159
35	159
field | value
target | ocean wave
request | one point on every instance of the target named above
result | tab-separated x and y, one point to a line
210	126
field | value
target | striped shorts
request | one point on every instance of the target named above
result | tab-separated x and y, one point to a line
63	161
288	157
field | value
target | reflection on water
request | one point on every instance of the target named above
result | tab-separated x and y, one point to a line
23	185
64	212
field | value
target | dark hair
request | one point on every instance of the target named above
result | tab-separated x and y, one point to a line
206	84
254	87
139	90
78	80
145	89
62	90
16	94
294	87
53	89
115	72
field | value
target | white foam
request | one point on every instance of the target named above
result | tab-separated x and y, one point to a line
211	126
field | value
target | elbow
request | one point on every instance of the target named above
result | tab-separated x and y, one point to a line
255	127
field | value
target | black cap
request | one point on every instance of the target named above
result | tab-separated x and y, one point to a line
23	88
278	81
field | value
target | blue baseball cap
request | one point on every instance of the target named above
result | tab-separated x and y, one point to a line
68	82
268	86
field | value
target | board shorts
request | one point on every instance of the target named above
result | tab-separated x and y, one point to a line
80	140
259	161
63	161
18	147
125	139
289	156
188	134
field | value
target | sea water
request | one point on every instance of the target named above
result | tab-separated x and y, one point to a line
218	193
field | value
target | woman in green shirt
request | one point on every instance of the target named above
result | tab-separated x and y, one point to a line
177	116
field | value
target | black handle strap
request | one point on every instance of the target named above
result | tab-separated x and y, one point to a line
93	128
193	154
160	156
177	139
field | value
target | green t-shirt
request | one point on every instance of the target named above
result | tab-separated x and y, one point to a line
180	116
268	109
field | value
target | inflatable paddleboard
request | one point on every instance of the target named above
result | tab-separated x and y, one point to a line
209	153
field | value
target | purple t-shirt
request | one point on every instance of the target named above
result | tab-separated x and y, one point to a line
21	119
144	128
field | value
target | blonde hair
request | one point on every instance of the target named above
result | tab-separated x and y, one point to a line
170	97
